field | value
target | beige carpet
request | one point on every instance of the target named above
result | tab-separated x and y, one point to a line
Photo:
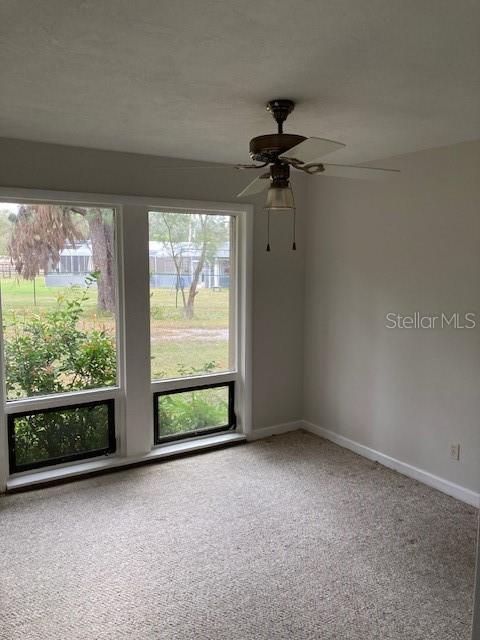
286	538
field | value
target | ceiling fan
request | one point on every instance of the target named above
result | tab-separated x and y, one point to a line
284	150
280	151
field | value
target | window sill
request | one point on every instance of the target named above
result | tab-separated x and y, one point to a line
89	467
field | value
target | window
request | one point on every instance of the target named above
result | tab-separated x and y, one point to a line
50	436
191	324
59	327
81	375
184	413
59	322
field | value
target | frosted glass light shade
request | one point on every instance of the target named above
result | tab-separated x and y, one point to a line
280	198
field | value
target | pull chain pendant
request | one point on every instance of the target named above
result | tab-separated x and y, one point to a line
268	229
294	244
294	222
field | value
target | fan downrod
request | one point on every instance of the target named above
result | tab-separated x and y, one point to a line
268	148
280	110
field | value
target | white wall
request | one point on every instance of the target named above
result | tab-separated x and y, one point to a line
278	276
408	244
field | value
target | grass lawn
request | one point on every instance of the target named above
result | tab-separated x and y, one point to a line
168	359
18	297
177	343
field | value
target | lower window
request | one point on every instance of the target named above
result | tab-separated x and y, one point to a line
44	437
193	411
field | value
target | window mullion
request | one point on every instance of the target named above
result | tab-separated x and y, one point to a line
63	399
193	381
138	433
3	417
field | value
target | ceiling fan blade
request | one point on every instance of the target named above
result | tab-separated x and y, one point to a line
176	167
256	186
311	149
357	171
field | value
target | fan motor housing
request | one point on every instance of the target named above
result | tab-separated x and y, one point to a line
267	148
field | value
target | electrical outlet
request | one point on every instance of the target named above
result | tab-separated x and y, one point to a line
454	452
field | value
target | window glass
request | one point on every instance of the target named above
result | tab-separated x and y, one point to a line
190	256
58	312
58	435
194	411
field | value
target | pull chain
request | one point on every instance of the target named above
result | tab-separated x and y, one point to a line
268	229
294	244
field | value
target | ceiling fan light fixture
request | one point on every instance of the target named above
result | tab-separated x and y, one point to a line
280	199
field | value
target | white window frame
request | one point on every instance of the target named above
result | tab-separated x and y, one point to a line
70	398
236	339
134	394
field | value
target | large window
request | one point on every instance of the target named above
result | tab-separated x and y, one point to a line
123	327
59	302
191	261
192	322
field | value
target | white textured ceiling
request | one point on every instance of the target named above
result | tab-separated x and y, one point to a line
189	78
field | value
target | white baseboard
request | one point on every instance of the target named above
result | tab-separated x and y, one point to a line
265	432
450	488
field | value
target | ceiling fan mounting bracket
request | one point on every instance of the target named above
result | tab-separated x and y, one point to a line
280	110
